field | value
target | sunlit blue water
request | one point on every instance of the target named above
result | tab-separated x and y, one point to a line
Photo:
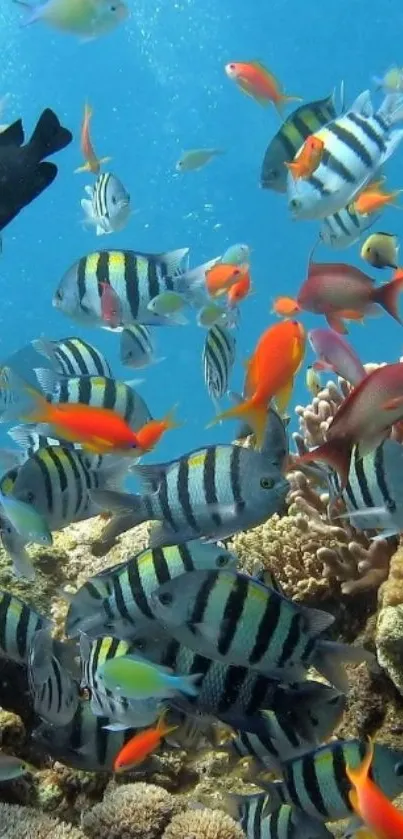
157	85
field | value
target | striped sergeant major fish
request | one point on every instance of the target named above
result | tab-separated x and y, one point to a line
85	743
357	144
209	493
236	695
300	124
19	623
73	357
57	481
117	600
137	347
31	441
286	736
237	620
107	207
317	782
345	228
285	823
99	391
54	691
373	495
135	278
123	713
218	359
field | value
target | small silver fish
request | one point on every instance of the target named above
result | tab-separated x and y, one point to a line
11	768
108	206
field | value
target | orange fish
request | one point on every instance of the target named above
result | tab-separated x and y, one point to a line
255	80
285	307
150	434
371	805
93	163
373	198
308	158
270	374
136	750
99	430
239	290
221	277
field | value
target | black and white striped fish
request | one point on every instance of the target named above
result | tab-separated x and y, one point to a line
356	145
108	206
218	360
54	691
344	228
137	347
18	624
99	391
374	492
135	278
116	601
73	357
285	823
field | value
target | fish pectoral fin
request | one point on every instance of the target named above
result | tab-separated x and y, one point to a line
392	404
335	322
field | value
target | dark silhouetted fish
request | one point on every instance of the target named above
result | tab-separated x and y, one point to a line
23	175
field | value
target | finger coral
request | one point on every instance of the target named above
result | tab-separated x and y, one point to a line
203	824
132	811
25	823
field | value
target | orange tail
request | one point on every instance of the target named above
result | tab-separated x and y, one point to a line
255	415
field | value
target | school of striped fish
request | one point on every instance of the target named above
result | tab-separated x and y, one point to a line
178	644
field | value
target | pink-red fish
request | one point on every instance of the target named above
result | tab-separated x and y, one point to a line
335	354
110	306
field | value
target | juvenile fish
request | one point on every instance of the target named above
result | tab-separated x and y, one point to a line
54	692
108	206
19	623
73	357
137	347
218	357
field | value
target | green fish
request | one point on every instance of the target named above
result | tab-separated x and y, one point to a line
85	18
196	159
136	678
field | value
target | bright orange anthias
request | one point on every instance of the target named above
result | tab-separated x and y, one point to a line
308	158
285	307
270	374
373	198
371	805
142	745
239	291
150	434
93	163
255	80
221	277
99	430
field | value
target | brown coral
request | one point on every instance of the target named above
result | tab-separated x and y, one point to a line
203	824
133	811
391	593
25	823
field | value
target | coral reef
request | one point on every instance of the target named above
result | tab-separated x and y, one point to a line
203	824
25	823
132	811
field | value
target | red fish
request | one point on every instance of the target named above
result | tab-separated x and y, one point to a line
110	306
332	288
221	277
270	374
239	291
142	745
308	158
383	819
365	418
150	434
93	163
255	80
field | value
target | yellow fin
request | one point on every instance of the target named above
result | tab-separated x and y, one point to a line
283	396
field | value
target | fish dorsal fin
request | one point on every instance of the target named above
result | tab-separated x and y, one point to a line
150	476
363	105
175	261
13	135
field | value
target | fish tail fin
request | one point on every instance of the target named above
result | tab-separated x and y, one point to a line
188	685
337	453
103	160
35	408
162	726
170	420
359	775
86	167
121	502
32	14
254	414
49	136
330	656
387	296
292	99
391	109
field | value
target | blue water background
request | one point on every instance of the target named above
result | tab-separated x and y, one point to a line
158	86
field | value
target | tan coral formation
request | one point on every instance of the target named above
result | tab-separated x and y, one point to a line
132	811
203	824
25	823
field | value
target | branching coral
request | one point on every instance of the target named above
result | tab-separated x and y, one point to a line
203	824
25	823
133	811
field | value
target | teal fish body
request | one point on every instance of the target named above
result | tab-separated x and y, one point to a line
317	783
27	522
118	599
356	145
300	124
210	493
73	357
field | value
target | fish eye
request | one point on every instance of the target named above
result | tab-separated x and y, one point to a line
114	201
294	204
267	483
222	561
30	498
165	598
